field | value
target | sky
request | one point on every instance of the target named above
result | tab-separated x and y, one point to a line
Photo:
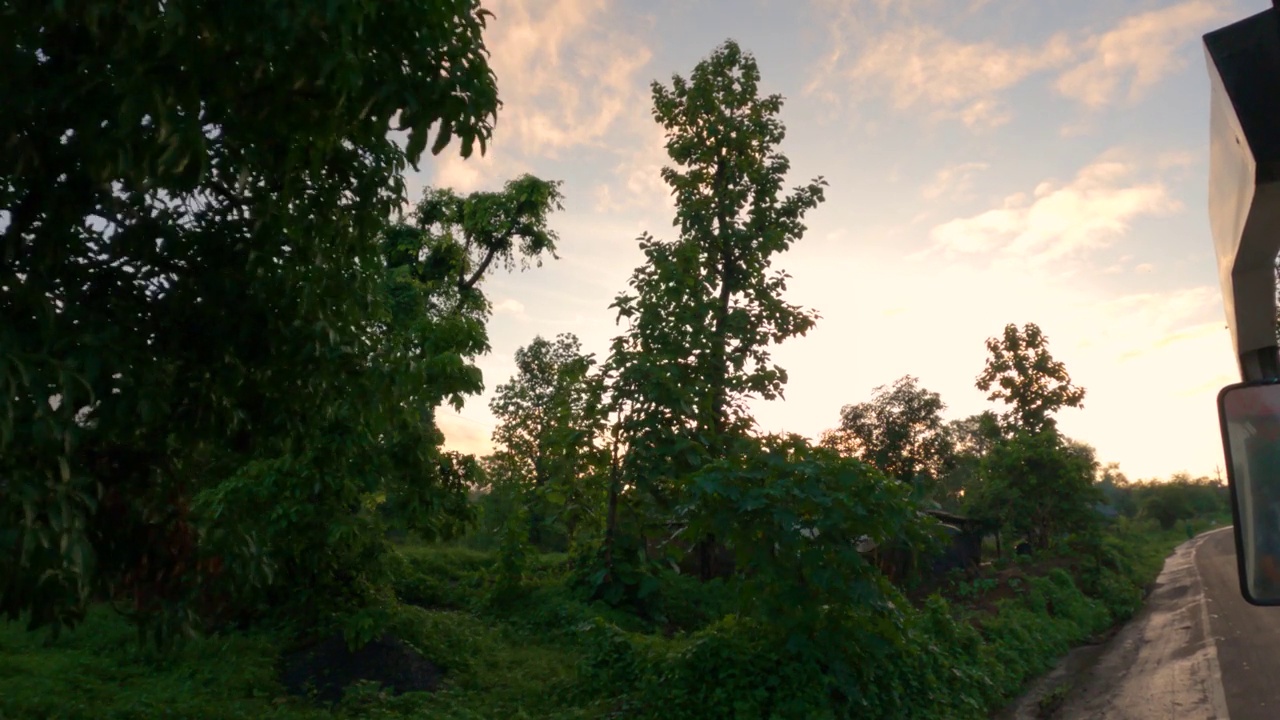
989	162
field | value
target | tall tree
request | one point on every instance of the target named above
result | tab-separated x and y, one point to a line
1036	482
706	306
900	431
550	420
189	257
433	326
1021	373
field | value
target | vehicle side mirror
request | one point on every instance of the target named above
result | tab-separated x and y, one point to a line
1250	417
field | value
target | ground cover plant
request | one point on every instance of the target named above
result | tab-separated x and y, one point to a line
962	651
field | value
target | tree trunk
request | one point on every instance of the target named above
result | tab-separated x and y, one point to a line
535	509
611	520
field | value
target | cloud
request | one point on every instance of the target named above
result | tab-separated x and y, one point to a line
1089	212
923	69
1136	54
565	70
568	76
1145	358
509	306
954	180
1142	324
462	175
636	179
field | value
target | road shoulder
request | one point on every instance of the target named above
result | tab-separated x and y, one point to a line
1162	664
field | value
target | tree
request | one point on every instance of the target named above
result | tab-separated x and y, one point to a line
1116	489
1180	498
900	431
794	515
706	307
970	440
550	421
1039	486
189	264
1021	373
1037	483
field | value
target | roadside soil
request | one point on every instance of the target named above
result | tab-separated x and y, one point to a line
1162	664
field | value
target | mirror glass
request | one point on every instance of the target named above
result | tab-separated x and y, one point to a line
1250	416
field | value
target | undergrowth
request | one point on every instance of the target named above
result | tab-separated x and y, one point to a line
543	651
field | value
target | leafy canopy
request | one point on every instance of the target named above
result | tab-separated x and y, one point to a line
706	307
550	419
900	431
1039	486
189	263
1021	373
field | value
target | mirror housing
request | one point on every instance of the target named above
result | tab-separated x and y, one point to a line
1250	418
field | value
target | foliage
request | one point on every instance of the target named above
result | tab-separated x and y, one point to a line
793	514
1179	498
1021	373
552	655
188	258
705	307
549	422
1036	483
970	439
1116	490
928	662
1039	487
468	234
309	506
513	552
900	431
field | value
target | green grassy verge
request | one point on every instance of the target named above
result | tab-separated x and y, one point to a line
542	653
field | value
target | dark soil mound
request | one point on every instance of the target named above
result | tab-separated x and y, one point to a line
328	667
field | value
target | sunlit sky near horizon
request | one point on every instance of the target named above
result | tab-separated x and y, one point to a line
989	161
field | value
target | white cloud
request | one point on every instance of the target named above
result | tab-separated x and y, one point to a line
920	67
923	69
509	306
462	175
566	72
1090	212
636	178
568	77
1136	54
953	180
1180	159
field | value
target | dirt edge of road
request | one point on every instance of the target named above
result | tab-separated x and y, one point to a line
1162	663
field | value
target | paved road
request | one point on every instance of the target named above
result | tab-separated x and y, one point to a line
1247	638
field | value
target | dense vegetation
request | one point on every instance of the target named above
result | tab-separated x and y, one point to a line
225	342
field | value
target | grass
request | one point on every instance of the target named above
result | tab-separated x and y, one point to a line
100	672
493	668
520	659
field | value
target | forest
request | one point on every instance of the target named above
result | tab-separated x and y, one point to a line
228	330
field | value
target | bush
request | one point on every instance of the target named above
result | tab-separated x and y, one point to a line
455	642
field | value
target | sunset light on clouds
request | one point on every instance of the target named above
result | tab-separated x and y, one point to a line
989	161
